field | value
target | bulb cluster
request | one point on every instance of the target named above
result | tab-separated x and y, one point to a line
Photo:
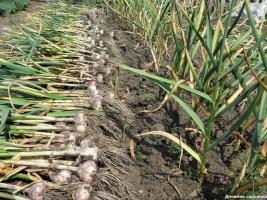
93	59
86	169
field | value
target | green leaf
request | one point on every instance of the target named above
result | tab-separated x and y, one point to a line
4	116
259	136
186	107
239	121
20	4
6	6
11	6
168	81
62	114
18	68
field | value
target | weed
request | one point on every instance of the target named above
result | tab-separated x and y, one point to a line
139	151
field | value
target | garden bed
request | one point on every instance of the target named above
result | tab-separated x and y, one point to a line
128	167
159	171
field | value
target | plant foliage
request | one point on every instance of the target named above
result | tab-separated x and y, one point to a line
220	58
12	6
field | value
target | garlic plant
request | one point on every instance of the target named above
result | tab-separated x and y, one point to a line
216	63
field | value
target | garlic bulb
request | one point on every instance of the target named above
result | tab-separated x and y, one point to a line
80	122
82	193
71	137
81	128
87	171
80	118
36	191
92	88
87	146
100	78
61	177
87	143
96	102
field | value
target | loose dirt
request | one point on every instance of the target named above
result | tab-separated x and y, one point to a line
158	173
6	22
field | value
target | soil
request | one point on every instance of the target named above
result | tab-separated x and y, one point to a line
158	173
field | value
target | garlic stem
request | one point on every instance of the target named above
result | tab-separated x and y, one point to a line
40	165
90	153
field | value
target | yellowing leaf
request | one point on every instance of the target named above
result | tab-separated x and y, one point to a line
264	148
176	140
132	145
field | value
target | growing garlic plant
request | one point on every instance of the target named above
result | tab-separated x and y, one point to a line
203	47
